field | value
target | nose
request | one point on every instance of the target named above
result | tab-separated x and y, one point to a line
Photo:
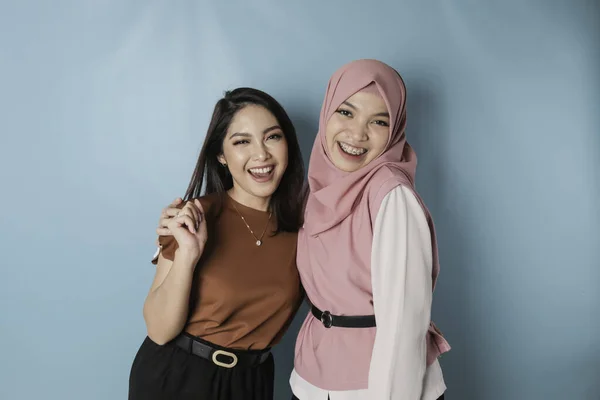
261	152
359	131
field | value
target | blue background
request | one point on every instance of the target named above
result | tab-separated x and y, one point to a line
103	109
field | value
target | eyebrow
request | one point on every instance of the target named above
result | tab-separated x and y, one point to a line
347	103
239	134
381	114
274	127
245	134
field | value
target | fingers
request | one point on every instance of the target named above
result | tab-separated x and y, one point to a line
163	232
176	224
194	210
186	220
180	231
164	221
198	204
169	212
190	208
201	234
189	216
172	208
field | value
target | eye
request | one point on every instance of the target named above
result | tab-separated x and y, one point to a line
275	136
381	123
243	141
345	113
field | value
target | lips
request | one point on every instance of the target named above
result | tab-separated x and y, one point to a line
351	151
263	173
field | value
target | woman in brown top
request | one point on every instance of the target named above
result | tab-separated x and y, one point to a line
226	285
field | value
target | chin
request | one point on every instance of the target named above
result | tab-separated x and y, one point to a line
264	191
344	165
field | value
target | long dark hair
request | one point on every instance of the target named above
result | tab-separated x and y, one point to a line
287	201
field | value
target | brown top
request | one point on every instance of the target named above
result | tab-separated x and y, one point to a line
243	296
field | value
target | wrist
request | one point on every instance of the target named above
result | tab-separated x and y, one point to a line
187	257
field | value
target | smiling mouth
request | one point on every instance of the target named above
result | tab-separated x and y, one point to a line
351	150
262	174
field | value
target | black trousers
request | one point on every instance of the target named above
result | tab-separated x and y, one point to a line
170	373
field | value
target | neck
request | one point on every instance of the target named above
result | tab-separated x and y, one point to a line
258	203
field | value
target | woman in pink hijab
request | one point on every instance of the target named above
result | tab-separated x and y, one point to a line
367	253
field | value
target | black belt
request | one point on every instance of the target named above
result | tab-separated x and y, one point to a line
232	358
343	321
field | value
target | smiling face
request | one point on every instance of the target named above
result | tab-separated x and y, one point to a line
358	131
256	153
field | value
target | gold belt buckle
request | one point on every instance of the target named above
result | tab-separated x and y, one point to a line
233	357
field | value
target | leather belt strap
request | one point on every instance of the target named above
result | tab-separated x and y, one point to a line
219	356
343	321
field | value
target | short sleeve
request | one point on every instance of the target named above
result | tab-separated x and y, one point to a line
166	246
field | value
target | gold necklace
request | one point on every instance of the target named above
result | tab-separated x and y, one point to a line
258	240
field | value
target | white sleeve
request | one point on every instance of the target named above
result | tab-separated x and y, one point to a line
401	264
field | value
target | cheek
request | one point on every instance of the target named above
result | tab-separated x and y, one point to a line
379	141
281	151
331	130
236	159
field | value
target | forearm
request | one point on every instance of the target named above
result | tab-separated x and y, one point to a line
166	307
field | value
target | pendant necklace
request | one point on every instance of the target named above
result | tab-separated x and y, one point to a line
258	239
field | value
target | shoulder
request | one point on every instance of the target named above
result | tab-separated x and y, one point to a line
381	184
399	196
383	181
211	203
401	206
384	174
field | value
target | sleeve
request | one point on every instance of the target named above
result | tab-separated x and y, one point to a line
166	246
401	266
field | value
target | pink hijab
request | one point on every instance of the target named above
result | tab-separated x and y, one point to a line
334	194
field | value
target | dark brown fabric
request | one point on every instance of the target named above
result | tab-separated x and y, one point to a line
243	296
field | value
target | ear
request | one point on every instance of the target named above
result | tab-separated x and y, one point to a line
222	160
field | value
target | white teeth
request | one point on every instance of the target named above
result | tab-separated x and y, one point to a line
261	170
355	151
